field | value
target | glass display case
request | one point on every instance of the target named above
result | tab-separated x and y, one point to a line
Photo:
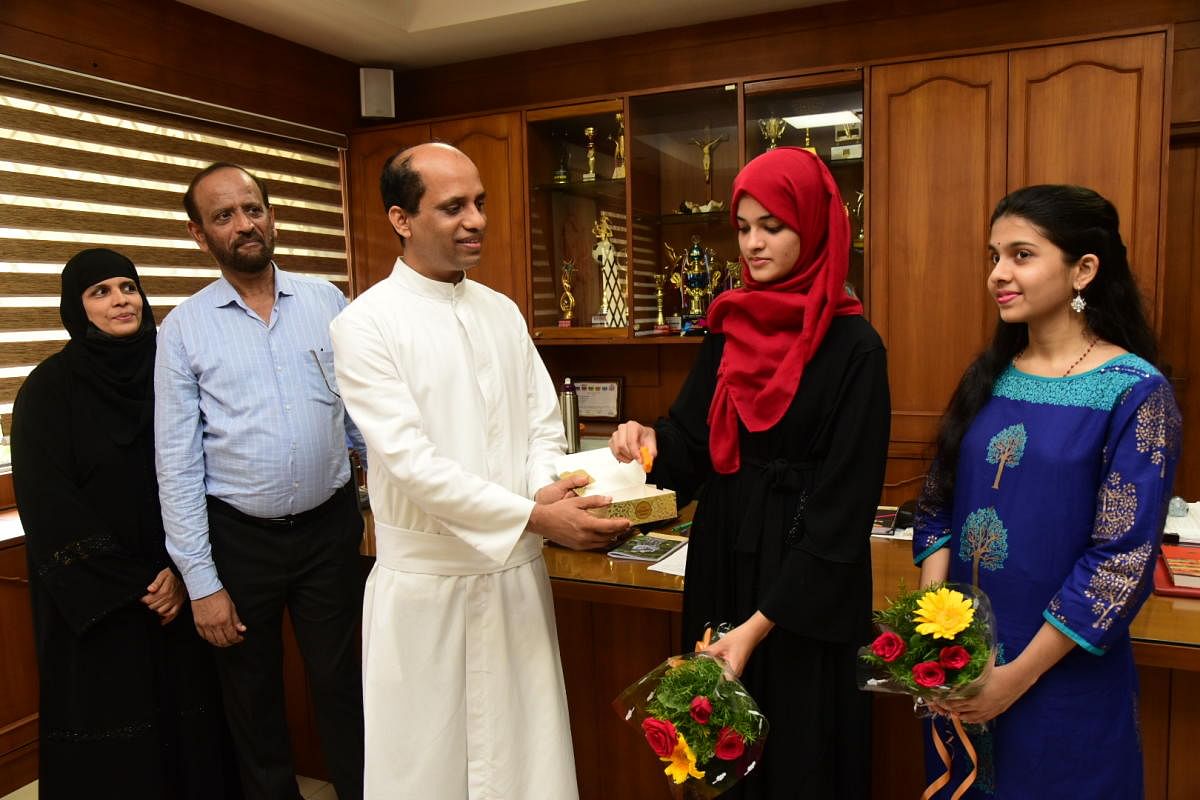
578	221
825	114
685	151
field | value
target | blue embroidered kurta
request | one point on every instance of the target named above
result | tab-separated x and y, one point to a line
1059	500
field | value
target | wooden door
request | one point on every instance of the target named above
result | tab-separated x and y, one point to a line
1092	114
936	152
495	143
374	243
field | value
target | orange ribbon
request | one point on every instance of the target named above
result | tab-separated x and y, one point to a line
944	779
706	641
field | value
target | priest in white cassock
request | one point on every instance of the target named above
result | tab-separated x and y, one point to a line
463	689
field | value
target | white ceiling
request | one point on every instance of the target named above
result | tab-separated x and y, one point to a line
405	34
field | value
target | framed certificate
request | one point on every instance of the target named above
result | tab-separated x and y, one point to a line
599	398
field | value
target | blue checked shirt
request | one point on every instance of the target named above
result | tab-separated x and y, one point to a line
246	411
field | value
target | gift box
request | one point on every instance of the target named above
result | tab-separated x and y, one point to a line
632	498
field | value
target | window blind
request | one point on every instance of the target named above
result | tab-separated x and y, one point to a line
79	172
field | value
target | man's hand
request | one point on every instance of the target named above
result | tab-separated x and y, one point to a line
568	523
629	438
165	596
217	620
560	489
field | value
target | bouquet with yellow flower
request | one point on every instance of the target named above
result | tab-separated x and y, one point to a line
697	719
936	644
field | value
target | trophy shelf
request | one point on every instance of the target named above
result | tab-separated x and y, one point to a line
613	188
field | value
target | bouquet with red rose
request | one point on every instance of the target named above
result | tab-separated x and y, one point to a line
698	719
937	644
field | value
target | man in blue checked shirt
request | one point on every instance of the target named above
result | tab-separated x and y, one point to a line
255	482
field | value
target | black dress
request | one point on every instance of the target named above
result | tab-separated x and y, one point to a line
788	534
129	708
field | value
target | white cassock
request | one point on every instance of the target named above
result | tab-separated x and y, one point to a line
462	685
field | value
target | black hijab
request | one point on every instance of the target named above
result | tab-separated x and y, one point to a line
120	370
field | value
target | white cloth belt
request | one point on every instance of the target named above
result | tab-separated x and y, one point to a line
406	550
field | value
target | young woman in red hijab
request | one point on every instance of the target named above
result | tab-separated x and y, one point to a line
781	432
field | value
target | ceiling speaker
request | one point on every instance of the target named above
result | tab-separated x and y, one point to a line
376	97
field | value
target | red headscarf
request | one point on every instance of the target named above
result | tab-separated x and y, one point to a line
772	330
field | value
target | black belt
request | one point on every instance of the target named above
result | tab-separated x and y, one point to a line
286	521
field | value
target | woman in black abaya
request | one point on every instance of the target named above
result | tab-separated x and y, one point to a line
129	701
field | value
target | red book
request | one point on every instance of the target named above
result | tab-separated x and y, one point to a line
1182	560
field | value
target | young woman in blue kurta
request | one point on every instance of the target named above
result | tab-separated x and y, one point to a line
1053	470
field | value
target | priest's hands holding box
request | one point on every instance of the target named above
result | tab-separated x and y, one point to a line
562	517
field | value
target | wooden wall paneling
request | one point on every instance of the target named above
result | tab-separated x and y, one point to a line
18	672
172	47
8	498
496	144
1183	781
374	243
1180	337
1092	114
779	43
937	168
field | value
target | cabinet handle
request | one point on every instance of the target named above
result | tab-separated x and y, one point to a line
8	579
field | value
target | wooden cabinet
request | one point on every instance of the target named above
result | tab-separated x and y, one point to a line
947	139
937	152
1092	114
494	143
374	243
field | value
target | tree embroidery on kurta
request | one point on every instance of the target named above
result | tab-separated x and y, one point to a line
1005	450
1114	582
1116	509
1158	427
984	542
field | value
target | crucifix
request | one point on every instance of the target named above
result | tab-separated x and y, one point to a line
706	149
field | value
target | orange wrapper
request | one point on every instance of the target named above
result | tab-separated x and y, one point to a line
647	461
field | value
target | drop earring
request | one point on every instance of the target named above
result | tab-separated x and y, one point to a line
1078	304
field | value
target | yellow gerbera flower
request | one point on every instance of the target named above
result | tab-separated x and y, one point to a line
944	613
681	764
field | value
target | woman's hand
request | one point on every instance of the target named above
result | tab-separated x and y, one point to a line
1003	687
628	440
736	647
165	596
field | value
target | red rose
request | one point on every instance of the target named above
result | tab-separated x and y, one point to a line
701	709
954	657
730	744
661	736
888	646
929	673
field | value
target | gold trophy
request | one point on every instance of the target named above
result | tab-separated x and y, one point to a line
619	151
589	133
694	283
660	322
773	129
733	271
567	301
808	145
613	310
